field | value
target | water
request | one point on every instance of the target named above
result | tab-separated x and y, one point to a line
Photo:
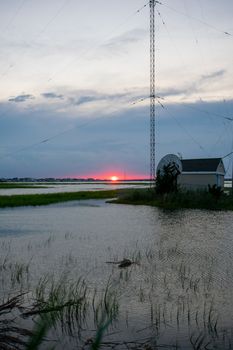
71	187
180	292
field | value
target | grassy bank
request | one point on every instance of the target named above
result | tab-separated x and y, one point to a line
178	200
50	198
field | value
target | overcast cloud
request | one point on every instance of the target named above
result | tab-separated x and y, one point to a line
79	80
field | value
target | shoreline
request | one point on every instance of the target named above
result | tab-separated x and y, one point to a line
130	196
52	198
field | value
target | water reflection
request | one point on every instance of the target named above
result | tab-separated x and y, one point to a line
178	294
71	187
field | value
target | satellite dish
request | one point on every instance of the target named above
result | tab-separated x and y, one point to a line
171	159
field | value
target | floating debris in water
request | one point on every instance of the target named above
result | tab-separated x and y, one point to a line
122	263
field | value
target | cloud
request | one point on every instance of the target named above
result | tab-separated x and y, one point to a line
81	147
172	92
200	85
126	39
84	97
203	81
21	98
216	74
52	95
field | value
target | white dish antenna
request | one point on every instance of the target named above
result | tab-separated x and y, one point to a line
171	159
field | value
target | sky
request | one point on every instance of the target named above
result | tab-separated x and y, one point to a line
74	92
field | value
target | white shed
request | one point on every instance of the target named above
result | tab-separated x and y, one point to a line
199	173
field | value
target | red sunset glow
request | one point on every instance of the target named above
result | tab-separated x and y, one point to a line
109	175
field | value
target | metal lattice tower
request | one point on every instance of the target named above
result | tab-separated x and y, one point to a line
152	91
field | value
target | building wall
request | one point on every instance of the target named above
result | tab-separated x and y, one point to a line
200	181
221	168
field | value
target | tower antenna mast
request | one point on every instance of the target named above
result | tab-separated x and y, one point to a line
152	91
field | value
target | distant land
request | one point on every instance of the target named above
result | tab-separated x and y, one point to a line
51	179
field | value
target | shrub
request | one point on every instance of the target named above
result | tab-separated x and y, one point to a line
166	180
215	191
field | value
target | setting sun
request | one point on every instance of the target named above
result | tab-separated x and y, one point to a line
114	178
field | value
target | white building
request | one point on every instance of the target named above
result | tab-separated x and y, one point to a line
199	173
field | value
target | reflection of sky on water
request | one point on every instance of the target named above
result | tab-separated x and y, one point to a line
58	188
182	286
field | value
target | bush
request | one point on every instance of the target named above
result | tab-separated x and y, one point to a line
166	181
215	191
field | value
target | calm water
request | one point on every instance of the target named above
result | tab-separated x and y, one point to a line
180	293
71	187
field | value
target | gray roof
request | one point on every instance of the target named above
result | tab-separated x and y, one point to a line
196	165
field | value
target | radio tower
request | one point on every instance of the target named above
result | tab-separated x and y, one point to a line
152	91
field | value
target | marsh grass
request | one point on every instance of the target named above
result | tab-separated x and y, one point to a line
178	297
12	337
184	298
67	306
105	306
176	200
18	272
145	196
102	328
14	274
37	337
51	198
198	342
64	301
63	305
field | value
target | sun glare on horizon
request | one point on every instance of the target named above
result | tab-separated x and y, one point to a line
114	178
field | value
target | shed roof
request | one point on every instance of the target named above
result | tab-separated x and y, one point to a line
198	165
